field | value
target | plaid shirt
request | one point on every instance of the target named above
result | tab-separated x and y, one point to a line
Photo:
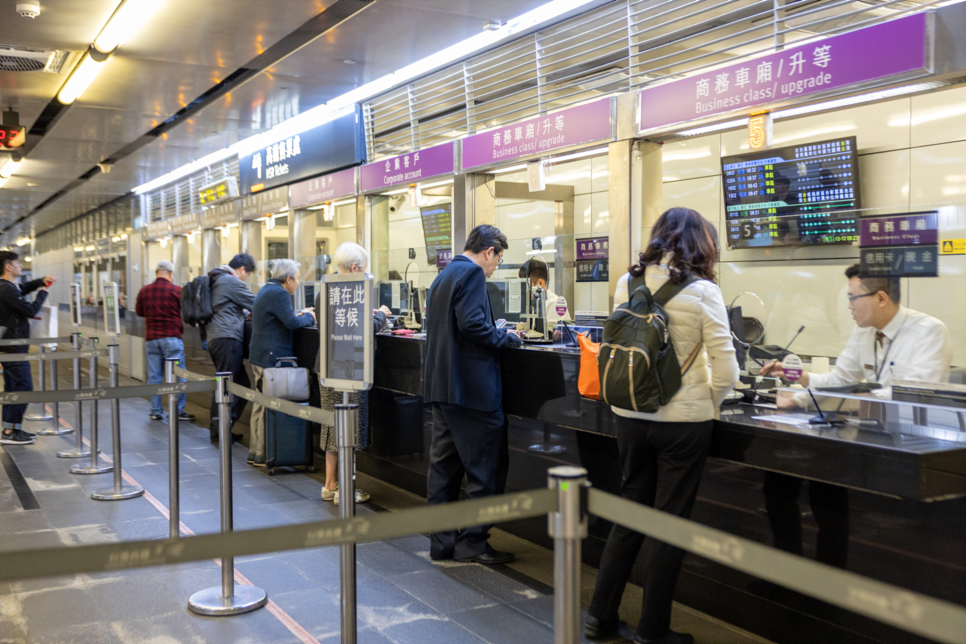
159	304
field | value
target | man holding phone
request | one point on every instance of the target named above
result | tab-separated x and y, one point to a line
15	314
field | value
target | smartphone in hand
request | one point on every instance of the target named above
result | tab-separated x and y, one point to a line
500	323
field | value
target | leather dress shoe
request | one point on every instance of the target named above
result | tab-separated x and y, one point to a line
234	437
489	557
671	637
596	629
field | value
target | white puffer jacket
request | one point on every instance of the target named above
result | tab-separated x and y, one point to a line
697	314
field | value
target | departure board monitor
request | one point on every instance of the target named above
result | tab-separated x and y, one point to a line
801	195
437	230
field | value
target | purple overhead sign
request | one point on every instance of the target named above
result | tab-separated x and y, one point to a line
324	188
407	168
586	123
900	230
889	49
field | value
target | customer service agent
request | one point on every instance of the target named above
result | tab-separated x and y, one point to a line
539	276
889	342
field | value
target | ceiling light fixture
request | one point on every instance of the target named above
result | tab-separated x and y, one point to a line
82	76
125	22
349	61
333	109
345	202
10	167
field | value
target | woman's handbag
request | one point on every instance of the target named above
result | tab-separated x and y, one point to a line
588	381
287	383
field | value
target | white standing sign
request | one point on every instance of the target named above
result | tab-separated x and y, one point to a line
75	305
112	313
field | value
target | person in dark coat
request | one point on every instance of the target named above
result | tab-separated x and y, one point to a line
15	314
462	381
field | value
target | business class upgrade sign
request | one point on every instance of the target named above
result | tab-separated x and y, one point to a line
894	50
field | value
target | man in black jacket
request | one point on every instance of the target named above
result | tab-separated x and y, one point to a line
462	381
15	314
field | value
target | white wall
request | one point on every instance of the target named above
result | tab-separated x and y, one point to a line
912	157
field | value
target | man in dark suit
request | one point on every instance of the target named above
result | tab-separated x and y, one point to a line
462	381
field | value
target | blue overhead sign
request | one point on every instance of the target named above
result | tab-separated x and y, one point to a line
338	144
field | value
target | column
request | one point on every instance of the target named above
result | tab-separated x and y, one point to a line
210	249
301	241
180	258
473	204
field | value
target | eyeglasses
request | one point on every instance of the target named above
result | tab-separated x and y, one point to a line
853	298
501	259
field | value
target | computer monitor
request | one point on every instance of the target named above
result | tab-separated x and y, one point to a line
395	295
509	298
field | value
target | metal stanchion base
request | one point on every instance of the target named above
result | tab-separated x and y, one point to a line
87	469
74	453
547	449
54	432
126	492
210	601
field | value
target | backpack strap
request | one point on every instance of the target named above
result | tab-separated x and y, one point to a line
633	284
691	358
669	290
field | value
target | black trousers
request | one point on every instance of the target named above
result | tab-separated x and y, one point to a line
16	377
471	442
830	506
226	353
661	467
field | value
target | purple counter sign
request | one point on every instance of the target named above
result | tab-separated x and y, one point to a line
443	258
892	49
574	126
324	188
900	230
407	168
593	248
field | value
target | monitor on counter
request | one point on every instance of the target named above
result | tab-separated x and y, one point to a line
801	195
509	298
437	230
395	295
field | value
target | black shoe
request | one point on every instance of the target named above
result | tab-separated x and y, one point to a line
440	557
671	637
597	629
156	417
489	557
186	416
16	437
234	437
30	434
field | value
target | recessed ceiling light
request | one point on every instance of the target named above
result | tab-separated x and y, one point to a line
31	185
349	61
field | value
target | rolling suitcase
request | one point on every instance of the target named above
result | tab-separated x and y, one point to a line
288	441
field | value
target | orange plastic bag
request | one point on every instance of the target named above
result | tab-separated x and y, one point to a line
588	381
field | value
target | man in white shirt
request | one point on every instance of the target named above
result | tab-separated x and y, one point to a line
556	306
889	342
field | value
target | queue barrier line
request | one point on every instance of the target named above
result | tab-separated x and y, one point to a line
313	414
54	355
49	562
190	375
19	342
911	611
111	393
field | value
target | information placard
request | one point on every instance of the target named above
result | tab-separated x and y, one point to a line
112	318
75	304
345	325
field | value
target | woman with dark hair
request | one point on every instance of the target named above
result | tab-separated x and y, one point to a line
663	453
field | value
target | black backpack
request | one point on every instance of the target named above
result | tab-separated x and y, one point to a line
196	302
638	367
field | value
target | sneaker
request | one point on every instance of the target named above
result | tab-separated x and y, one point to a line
186	416
328	495
16	437
156	417
361	497
30	434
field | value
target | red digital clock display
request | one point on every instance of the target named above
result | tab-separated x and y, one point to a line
12	137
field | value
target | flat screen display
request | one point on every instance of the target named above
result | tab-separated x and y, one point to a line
437	230
802	195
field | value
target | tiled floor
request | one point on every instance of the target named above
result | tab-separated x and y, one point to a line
402	596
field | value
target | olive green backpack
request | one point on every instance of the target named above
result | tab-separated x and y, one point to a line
639	370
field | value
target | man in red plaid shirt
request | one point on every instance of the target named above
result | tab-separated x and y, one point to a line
159	303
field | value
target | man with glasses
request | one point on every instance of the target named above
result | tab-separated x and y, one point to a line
889	342
462	381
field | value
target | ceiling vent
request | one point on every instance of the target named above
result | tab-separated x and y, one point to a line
30	59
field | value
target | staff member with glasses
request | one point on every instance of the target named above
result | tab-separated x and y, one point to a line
889	342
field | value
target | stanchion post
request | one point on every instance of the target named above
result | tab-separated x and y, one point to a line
174	461
42	382
93	467
55	429
226	599
347	437
79	451
568	527
119	491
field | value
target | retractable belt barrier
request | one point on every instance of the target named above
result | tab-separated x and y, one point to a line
313	414
58	355
137	391
190	376
19	342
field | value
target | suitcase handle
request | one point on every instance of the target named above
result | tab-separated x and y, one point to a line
291	360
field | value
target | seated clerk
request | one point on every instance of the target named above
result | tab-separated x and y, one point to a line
889	342
539	276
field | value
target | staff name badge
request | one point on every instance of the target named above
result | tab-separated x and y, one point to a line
792	365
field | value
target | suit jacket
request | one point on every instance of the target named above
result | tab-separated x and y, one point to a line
462	364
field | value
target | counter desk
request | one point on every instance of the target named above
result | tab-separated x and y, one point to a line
896	474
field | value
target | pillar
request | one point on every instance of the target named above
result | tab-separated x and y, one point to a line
210	250
301	241
180	258
473	204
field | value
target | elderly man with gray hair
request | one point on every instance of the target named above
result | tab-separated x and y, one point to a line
349	258
273	320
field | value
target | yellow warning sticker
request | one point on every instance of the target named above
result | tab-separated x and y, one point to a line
953	247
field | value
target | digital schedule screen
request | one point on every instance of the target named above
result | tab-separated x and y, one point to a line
801	195
437	230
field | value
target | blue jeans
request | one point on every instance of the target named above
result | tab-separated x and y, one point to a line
158	351
16	377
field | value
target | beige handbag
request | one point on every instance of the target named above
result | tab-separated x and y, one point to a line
287	383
